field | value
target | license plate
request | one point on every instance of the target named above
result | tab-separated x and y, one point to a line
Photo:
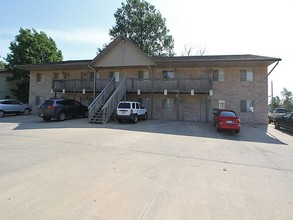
229	122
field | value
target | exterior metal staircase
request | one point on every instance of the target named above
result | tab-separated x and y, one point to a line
104	105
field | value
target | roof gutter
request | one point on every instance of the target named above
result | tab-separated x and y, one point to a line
273	68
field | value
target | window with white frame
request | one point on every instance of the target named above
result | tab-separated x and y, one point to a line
247	106
168	74
246	75
222	104
143	75
168	104
219	75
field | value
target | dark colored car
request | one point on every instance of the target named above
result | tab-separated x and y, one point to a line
11	106
286	122
226	120
61	109
277	113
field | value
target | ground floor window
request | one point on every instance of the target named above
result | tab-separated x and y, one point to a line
168	104
222	104
246	106
39	100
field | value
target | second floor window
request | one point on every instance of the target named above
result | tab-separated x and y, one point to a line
39	77
246	75
219	75
168	74
143	75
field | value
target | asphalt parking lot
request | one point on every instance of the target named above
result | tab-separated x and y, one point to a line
150	170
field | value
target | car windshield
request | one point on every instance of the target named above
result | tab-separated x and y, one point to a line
227	114
124	105
47	103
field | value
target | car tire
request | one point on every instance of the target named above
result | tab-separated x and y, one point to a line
1	114
135	119
46	118
26	111
277	126
145	116
61	116
119	120
237	131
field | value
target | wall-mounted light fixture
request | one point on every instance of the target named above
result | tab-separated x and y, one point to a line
63	91
211	92
165	92
138	92
192	92
83	91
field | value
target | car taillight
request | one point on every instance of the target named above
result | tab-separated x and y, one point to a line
51	107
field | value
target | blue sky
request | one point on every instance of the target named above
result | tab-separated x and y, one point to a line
260	27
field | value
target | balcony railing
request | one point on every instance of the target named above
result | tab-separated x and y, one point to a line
184	85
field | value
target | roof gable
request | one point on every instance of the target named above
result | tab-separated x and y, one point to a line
121	52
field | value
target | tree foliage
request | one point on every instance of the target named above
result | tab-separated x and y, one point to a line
29	47
141	22
286	100
2	65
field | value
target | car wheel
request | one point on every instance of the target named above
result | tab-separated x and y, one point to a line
135	119
119	120
61	116
1	114
46	118
145	116
277	126
237	131
27	111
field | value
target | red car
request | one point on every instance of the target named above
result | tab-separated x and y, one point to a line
226	120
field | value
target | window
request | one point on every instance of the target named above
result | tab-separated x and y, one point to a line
168	74
57	76
222	104
92	75
219	75
246	106
143	75
39	77
168	104
246	75
39	100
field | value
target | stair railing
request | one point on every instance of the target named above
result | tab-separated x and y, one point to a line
111	105
101	98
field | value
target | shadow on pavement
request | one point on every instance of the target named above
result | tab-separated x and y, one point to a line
250	133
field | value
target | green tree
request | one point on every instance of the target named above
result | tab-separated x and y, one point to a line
29	47
2	64
275	103
287	99
141	22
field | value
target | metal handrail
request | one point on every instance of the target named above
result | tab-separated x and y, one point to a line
101	98
110	106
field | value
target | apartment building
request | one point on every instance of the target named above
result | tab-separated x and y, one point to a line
172	88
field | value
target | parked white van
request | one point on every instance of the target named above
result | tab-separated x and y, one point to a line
131	111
